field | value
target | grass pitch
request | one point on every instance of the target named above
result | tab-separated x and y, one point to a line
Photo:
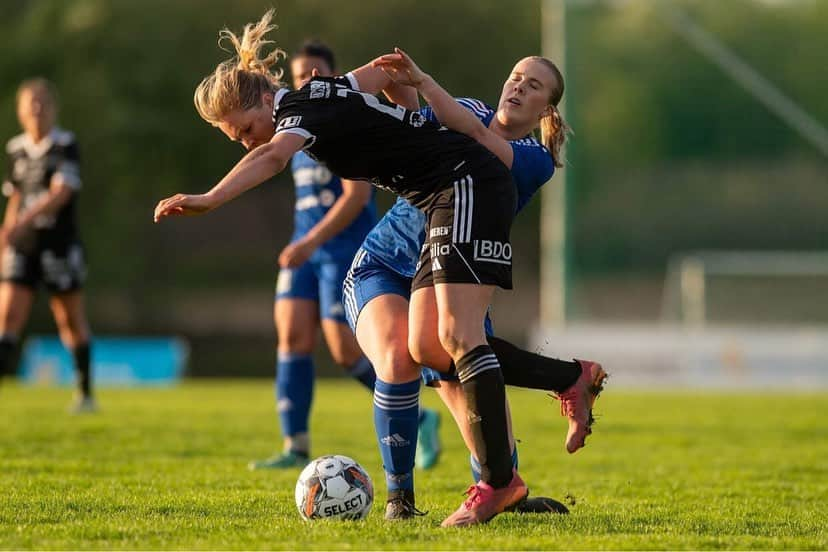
166	469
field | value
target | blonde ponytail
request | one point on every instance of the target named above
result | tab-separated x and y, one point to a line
240	82
553	134
554	129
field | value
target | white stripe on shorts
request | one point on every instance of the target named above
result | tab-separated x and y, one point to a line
470	212
463	210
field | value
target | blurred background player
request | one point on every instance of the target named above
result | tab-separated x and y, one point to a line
332	217
39	236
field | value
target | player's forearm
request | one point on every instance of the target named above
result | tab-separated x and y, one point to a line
450	113
341	214
10	217
47	206
371	79
402	94
254	168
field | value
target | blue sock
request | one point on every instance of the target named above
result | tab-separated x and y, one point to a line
396	410
294	392
363	371
475	465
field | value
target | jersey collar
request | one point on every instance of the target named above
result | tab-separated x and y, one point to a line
36	151
277	98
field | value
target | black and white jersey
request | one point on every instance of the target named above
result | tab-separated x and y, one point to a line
360	136
30	171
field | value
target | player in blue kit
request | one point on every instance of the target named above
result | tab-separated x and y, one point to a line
378	286
331	219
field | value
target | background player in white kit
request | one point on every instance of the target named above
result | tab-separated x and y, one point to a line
39	237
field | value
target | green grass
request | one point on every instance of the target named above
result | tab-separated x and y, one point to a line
165	469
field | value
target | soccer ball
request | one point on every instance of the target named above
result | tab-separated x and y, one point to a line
334	486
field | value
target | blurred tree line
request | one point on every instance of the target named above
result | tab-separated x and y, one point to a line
668	153
671	154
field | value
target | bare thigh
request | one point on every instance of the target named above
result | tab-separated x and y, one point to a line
382	332
15	306
461	309
341	342
423	338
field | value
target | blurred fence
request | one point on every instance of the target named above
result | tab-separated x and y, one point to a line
641	357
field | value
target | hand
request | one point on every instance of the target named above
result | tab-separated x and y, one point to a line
400	68
9	236
183	205
296	253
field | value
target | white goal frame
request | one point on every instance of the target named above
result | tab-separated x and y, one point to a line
685	287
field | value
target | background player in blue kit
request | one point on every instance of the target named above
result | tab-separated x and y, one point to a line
378	285
331	219
39	238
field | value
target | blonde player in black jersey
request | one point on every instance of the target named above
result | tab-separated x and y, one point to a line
39	236
466	193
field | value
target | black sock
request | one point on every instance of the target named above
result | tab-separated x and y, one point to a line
8	343
524	369
84	374
482	383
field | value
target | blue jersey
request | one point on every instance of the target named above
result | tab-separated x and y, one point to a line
397	239
317	189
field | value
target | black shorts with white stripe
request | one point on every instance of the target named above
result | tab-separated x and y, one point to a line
467	230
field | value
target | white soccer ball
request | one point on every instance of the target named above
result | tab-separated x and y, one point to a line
334	486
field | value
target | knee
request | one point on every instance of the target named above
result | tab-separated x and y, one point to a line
418	352
344	356
454	340
425	349
293	340
431	352
344	352
395	365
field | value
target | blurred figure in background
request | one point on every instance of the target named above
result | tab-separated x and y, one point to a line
39	236
331	219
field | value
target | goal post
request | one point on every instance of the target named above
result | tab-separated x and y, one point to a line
689	275
554	235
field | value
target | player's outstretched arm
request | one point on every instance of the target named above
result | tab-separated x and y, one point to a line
254	168
370	79
402	94
401	68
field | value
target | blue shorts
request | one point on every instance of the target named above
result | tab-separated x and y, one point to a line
317	281
367	279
